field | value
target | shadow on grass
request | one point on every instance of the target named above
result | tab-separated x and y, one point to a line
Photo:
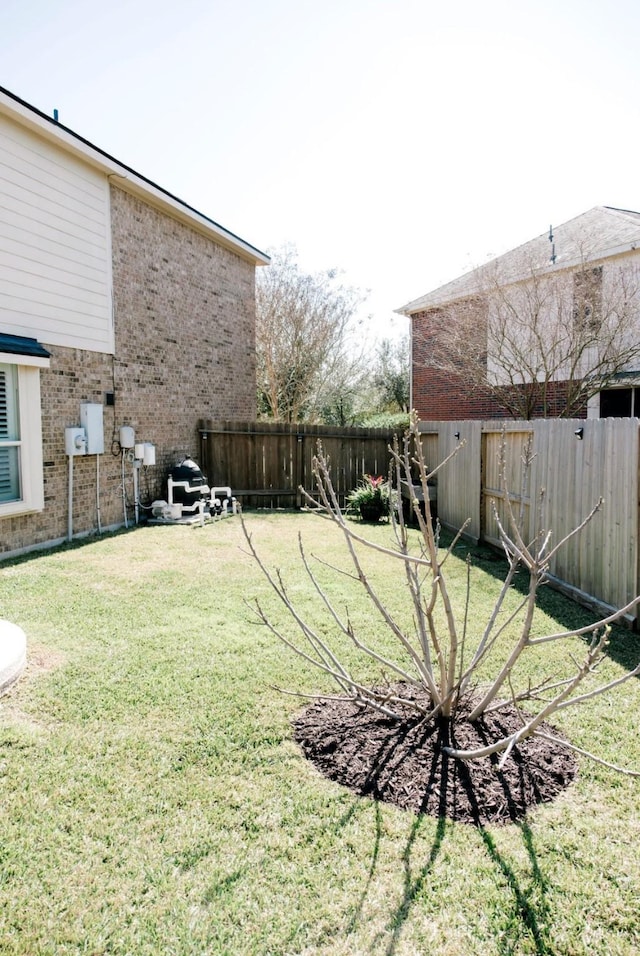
61	547
357	912
523	917
525	914
414	883
384	757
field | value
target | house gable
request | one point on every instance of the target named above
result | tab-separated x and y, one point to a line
563	315
124	176
601	233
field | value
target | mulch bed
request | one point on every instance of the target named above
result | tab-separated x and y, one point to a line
401	761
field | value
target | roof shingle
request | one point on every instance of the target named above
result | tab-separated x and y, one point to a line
594	235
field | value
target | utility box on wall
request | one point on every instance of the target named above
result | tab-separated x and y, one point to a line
91	421
75	441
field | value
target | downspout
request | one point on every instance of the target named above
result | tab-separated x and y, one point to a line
411	405
124	493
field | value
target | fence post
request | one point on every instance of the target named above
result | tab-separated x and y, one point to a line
299	467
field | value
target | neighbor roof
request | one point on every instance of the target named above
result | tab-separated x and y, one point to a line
127	178
601	232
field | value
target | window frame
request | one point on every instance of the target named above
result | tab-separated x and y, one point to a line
30	431
634	400
587	301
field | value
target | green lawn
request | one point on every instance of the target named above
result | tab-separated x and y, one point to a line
153	801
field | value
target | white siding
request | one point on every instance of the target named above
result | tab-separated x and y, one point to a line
55	255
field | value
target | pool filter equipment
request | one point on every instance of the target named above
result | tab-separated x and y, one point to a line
187	487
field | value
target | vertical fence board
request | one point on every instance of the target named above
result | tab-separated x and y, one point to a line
500	471
459	481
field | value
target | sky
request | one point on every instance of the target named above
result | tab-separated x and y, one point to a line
402	142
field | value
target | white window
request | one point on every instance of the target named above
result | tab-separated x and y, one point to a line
9	435
21	480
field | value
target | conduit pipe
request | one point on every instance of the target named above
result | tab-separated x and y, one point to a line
124	492
136	495
98	494
70	504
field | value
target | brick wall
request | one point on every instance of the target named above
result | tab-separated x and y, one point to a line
440	397
184	314
185	328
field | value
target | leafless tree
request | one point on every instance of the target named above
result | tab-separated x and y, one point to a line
539	339
306	338
391	374
445	651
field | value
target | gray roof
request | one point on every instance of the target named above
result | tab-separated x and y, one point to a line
595	235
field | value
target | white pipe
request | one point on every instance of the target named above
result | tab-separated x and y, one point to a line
135	490
124	493
98	493
70	504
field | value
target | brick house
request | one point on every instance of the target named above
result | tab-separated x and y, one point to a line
553	325
115	293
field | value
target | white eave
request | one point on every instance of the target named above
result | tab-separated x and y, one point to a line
124	177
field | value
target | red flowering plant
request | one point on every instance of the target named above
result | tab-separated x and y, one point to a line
370	499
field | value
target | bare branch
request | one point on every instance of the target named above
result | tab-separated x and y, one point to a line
586	753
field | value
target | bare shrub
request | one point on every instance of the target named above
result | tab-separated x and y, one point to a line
447	659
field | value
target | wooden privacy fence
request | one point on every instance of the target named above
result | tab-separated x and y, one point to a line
265	463
575	462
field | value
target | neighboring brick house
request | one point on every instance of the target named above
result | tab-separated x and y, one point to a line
572	295
115	293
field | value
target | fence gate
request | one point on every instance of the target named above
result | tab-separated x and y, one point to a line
504	452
